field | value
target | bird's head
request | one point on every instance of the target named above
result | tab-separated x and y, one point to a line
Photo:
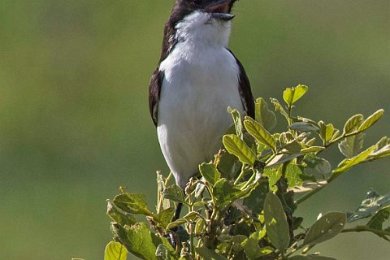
206	20
221	6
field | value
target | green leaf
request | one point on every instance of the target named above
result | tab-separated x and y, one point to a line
353	124
264	115
273	174
118	215
325	228
383	142
132	203
165	216
352	145
258	235
237	121
279	108
200	227
174	193
252	249
376	222
312	149
293	175
248	186
327	132
206	253
210	172
161	185
369	206
309	186
176	223
383	149
256	130
228	165
347	164
317	167
255	201
276	222
311	257
239	148
225	193
282	158
115	251
138	240
292	95
371	120
162	252
292	147
304	127
191	216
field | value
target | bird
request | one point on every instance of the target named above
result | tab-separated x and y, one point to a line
197	78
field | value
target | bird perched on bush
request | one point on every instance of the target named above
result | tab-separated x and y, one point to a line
195	82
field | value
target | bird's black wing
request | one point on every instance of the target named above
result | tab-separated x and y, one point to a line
244	88
154	94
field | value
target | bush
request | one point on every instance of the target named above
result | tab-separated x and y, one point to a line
243	205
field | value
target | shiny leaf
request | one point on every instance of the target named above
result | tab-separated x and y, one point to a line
237	121
351	145
276	222
353	123
304	127
115	251
325	228
225	193
261	134
239	148
264	115
138	240
383	148
273	174
132	203
371	120
327	132
279	108
293	175
292	95
119	215
376	222
318	167
312	149
252	249
210	172
369	206
347	164
174	193
165	216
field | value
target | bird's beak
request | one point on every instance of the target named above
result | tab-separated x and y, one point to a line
222	16
220	9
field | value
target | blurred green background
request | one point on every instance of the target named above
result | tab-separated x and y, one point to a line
74	120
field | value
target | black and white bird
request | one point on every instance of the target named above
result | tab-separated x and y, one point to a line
196	80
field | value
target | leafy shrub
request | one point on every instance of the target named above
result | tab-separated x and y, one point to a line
243	205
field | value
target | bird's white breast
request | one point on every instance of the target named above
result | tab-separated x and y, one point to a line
199	84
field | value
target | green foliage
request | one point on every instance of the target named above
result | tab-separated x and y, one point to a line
243	205
325	228
239	148
115	251
276	222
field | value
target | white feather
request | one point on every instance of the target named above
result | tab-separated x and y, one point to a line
200	83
